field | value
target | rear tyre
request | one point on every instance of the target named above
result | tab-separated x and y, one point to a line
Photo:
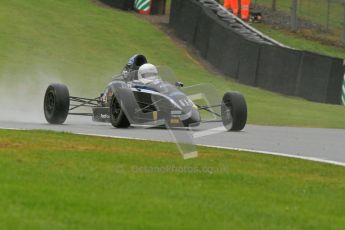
234	111
56	103
118	118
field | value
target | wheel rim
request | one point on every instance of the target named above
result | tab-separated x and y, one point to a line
116	108
227	115
50	102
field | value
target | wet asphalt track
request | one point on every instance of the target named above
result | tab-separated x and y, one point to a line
326	145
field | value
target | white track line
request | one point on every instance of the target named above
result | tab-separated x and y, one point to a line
320	160
208	132
279	154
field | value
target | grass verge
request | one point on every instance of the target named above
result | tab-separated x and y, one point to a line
313	10
298	42
55	180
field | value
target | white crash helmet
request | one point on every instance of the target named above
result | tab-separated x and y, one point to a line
147	71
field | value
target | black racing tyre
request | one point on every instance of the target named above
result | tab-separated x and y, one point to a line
118	117
209	2
56	103
213	7
234	111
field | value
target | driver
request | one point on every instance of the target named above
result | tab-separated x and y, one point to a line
147	73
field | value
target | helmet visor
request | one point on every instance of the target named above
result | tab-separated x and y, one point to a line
148	75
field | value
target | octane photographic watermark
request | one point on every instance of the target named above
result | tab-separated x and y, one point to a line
168	169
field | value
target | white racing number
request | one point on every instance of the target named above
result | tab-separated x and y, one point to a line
185	102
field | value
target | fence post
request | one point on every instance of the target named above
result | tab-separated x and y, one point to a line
294	15
343	92
328	13
274	5
343	35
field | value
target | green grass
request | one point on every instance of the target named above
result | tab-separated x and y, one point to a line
83	45
55	180
298	42
313	10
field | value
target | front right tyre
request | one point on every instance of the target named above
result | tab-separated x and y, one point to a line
234	111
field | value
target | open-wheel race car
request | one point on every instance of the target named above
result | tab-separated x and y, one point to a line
146	95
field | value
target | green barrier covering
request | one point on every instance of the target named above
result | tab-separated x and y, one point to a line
142	5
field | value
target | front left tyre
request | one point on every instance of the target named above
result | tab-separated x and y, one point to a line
56	103
118	117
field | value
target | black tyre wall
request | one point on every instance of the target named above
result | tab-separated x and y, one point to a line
248	65
186	20
278	69
202	32
120	4
320	78
252	59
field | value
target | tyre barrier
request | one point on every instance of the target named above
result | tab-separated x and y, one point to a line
243	53
233	21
